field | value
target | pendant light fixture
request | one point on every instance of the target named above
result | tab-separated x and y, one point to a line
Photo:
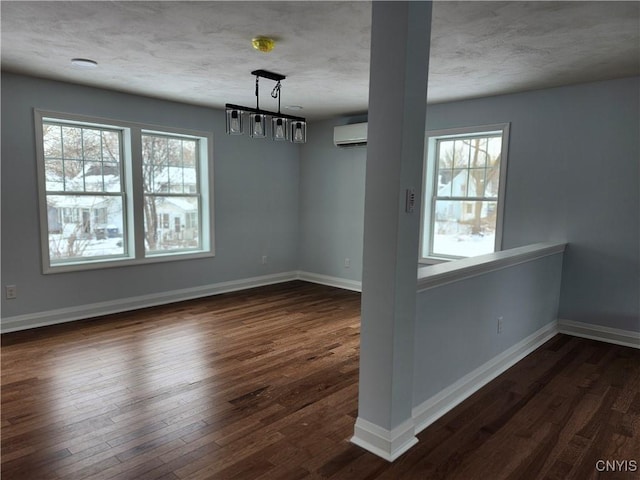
234	121
258	125
298	132
283	127
279	130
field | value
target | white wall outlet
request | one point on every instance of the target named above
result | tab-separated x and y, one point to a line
264	259
347	263
500	324
11	292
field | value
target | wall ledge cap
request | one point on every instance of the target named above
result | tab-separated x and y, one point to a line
441	274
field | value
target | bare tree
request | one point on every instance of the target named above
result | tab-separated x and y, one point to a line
472	155
482	171
77	159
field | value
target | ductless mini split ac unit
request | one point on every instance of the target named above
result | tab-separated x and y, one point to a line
350	135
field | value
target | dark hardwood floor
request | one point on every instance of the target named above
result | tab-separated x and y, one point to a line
262	384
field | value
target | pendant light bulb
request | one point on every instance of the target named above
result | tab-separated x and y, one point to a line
279	129
235	121
257	126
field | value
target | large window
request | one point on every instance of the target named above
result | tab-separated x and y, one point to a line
115	193
465	173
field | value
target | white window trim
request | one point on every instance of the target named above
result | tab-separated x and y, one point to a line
428	187
134	196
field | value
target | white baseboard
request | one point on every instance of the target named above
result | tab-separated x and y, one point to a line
626	338
435	407
62	315
338	282
387	444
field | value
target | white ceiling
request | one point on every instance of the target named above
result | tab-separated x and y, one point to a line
200	52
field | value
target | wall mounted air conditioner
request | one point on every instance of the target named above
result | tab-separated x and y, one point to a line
350	135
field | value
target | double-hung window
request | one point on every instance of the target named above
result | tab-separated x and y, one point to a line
465	172
116	193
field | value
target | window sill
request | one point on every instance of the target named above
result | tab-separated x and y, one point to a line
428	261
124	262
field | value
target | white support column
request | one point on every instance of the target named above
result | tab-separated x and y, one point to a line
400	38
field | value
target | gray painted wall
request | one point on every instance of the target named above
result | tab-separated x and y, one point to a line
456	324
331	203
255	194
573	176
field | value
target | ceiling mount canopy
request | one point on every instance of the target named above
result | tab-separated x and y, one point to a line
264	44
283	127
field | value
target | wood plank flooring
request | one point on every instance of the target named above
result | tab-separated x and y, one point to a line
262	384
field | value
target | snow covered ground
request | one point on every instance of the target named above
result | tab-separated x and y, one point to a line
58	247
461	245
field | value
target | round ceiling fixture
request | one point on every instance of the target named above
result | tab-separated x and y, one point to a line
264	44
84	63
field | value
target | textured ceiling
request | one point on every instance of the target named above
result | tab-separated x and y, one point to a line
200	52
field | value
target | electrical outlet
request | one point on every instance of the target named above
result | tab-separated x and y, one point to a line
410	200
500	324
347	263
264	259
11	292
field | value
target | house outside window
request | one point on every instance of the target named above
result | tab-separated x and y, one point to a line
83	185
465	172
91	215
171	188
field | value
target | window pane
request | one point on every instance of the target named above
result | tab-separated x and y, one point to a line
445	154
175	151
155	150
494	148
72	142
476	182
189	153
171	224
83	226
493	182
478	152
176	181
54	176
464	228
443	188
81	150
110	146
153	163
459	182
111	174
91	144
52	141
73	176
461	154
93	181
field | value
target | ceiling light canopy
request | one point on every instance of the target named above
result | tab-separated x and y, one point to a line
283	127
264	44
84	63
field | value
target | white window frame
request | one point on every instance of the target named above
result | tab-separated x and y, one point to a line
133	221
429	185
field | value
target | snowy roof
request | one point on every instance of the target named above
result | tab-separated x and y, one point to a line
76	201
181	204
184	175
